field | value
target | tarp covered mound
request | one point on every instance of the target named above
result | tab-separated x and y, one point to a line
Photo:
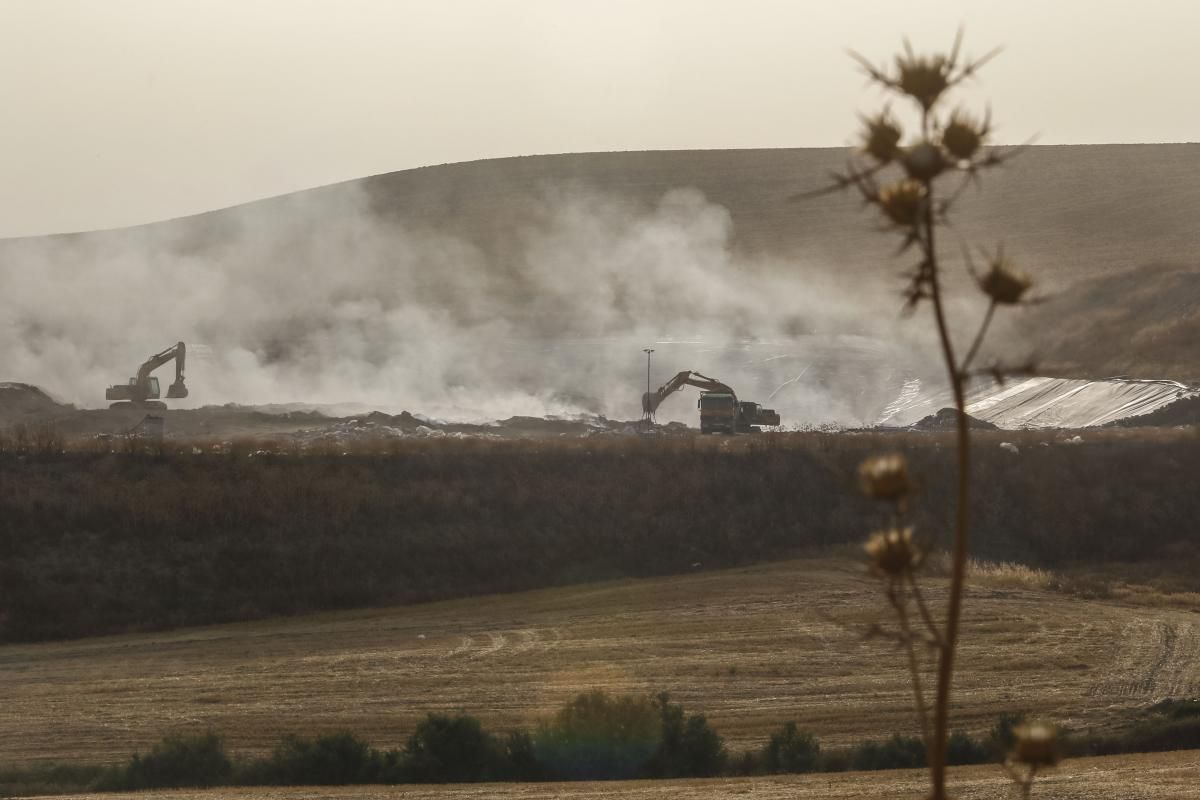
1066	402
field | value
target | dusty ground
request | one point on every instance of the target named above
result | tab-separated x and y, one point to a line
752	648
1163	776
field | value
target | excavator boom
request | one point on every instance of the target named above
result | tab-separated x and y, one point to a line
720	409
652	400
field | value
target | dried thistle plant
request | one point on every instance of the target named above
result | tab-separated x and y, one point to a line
914	183
1035	747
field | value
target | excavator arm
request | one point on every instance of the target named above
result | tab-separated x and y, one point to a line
142	389
652	400
178	353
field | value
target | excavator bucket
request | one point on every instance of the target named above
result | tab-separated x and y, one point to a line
177	390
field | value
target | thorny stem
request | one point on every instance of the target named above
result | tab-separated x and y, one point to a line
899	602
954	611
987	320
924	611
1023	781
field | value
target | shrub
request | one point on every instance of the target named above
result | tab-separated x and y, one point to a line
1001	737
964	749
49	779
598	737
177	761
834	761
1168	725
446	749
688	745
520	758
791	750
898	752
334	759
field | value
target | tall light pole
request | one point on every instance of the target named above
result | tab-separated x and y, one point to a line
648	416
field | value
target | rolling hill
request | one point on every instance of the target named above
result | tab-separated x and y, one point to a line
522	285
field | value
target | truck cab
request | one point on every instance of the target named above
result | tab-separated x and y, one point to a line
718	412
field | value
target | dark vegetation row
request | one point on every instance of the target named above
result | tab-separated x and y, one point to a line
98	542
593	737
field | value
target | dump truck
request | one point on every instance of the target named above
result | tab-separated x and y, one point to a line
720	409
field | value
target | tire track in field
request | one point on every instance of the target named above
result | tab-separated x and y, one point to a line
1156	659
512	642
464	646
496	643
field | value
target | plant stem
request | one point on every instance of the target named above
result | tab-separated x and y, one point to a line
899	602
987	320
954	611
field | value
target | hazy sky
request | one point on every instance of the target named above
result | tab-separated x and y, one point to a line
128	111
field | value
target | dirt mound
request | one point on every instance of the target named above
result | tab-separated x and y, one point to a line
944	420
23	402
1141	322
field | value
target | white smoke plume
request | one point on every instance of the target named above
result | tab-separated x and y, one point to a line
317	298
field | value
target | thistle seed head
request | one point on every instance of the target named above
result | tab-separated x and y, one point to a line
893	552
923	78
924	161
963	136
1035	745
881	139
902	202
1004	283
885	477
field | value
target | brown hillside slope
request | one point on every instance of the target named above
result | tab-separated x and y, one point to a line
752	648
1071	214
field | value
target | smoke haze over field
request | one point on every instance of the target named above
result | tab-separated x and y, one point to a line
318	298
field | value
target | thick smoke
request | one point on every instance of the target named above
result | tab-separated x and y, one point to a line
318	298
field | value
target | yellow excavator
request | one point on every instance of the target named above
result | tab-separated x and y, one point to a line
720	410
142	391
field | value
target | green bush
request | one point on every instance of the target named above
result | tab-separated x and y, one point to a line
964	749
791	750
49	779
446	749
834	761
598	737
688	746
1168	725
520	758
1001	738
178	761
334	759
898	752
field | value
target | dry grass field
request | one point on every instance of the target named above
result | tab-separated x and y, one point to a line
750	647
1161	776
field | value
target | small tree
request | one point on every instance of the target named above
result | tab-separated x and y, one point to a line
445	749
598	737
688	746
791	750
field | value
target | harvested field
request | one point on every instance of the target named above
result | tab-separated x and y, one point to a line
751	648
1160	776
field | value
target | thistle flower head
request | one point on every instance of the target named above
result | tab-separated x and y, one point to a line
1004	283
893	552
1035	744
923	78
885	477
963	135
881	138
902	201
924	161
